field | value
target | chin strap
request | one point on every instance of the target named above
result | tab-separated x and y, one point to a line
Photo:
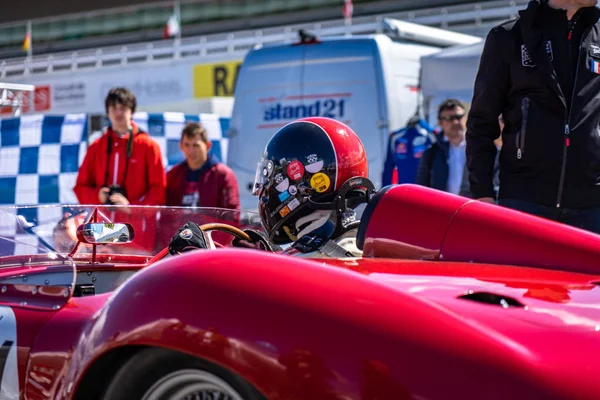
315	221
317	233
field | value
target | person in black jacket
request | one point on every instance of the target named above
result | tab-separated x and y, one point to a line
443	165
542	73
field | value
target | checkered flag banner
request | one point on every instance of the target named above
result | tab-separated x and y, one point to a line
40	155
166	129
39	158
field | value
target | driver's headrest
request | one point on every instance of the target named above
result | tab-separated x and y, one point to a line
410	214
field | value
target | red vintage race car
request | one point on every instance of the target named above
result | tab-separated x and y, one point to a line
452	299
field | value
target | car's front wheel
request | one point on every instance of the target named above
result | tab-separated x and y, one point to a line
159	374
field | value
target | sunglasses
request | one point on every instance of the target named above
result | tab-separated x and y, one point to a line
450	118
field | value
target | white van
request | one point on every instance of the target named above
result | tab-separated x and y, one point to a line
368	82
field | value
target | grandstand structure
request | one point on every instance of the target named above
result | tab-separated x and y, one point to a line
72	24
474	18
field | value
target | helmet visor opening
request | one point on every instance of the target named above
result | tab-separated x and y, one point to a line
264	169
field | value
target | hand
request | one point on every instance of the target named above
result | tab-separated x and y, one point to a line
119	199
488	200
188	237
259	241
103	194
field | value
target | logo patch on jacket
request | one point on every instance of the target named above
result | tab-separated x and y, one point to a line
594	52
401	148
526	59
595	66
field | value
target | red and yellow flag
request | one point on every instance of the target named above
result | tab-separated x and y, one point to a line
27	39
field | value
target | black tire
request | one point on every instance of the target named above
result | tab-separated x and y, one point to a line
154	369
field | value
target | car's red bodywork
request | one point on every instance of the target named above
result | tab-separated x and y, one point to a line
417	323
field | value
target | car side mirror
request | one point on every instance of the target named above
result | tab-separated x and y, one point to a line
105	233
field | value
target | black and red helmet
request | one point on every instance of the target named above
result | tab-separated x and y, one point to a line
303	167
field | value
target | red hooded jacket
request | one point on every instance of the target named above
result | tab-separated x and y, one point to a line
218	188
146	180
218	185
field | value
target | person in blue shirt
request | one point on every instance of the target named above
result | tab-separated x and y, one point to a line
405	149
443	165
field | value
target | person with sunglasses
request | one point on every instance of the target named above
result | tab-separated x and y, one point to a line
541	71
443	165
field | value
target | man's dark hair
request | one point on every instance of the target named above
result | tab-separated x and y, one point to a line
449	104
195	129
120	95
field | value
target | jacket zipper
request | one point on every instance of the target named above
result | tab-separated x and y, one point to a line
116	169
567	141
522	132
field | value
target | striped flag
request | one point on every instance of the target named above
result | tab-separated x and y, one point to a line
172	28
348	9
595	66
27	39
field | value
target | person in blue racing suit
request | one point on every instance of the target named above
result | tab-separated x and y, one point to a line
309	181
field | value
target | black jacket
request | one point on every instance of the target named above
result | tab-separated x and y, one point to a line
545	87
433	169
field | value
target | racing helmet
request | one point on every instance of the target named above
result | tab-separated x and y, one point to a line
301	172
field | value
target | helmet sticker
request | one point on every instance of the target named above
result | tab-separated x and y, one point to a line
282	183
284	211
295	170
320	182
293	204
292	189
285	199
284	196
314	163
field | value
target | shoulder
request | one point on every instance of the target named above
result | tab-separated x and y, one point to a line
503	35
144	137
398	134
223	169
433	149
176	170
506	31
507	26
98	142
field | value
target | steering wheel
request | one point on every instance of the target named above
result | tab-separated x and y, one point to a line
215	226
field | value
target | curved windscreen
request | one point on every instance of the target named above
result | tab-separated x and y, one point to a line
32	273
54	228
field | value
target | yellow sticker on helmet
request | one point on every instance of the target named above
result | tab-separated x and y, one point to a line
320	182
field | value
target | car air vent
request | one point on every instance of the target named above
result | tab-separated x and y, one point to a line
492	298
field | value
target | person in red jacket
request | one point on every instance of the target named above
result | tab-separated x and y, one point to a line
124	166
201	180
